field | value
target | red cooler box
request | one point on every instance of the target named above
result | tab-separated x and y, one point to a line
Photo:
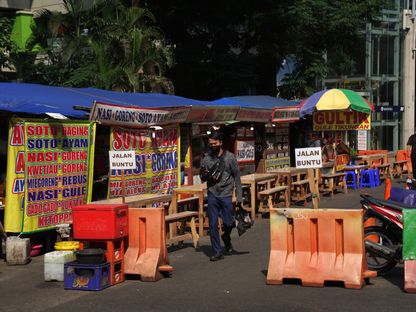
94	221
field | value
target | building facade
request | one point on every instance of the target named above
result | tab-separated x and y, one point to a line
385	75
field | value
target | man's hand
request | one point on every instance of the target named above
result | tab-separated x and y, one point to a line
239	204
203	174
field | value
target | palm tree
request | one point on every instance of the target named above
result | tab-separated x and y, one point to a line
144	56
107	45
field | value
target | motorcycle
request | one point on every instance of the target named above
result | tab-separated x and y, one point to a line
410	183
383	241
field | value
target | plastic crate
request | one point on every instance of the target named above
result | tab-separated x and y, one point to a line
114	255
117	273
86	276
94	221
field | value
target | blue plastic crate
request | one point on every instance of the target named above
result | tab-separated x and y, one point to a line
86	276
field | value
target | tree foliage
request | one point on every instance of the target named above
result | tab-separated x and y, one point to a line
105	45
220	48
6	45
236	47
326	37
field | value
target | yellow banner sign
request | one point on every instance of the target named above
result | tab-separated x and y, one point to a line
157	161
49	171
276	163
340	120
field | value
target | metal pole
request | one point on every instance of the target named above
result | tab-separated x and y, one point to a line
413	8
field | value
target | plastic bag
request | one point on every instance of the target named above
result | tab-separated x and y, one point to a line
242	221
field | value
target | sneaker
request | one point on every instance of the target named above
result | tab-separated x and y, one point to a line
216	257
229	250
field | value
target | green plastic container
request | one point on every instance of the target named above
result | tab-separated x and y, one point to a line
409	234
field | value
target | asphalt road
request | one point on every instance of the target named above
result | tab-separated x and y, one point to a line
237	283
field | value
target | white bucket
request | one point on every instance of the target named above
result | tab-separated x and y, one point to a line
54	264
17	250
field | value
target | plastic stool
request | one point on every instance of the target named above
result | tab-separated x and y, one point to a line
367	178
376	173
350	174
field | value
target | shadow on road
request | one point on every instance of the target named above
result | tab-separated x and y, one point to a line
395	277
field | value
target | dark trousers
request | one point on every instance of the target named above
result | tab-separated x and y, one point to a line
414	167
220	207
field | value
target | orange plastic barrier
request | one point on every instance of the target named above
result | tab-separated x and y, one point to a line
410	276
147	254
371	222
316	246
372	152
387	189
402	155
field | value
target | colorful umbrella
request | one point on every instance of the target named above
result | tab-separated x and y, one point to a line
335	99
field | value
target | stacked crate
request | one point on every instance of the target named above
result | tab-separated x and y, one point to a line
86	276
106	227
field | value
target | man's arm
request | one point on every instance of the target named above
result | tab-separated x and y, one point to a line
203	170
237	179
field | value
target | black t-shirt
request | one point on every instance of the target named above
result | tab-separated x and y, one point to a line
412	143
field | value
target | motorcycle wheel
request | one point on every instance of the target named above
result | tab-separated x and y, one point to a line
381	236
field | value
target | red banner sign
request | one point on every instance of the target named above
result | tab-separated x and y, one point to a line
341	120
110	114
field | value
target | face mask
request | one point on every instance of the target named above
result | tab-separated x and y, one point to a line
214	150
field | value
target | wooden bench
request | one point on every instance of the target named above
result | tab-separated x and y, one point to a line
266	184
332	182
273	195
181	218
187	203
384	170
300	190
398	168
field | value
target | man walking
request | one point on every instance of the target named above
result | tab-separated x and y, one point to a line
220	170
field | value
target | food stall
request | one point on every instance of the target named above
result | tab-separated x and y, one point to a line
62	146
277	152
258	139
154	136
341	115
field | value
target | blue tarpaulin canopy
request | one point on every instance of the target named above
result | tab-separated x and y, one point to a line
255	101
40	99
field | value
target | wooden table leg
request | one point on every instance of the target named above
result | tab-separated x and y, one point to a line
312	188
173	208
289	186
253	200
201	213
